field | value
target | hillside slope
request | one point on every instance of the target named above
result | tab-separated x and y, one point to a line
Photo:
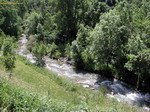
65	95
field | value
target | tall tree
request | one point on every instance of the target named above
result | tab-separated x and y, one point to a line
9	15
95	10
70	13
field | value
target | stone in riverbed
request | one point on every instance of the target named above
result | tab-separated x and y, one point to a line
86	86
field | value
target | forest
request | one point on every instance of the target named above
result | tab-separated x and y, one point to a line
108	37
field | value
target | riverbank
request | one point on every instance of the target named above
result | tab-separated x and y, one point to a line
117	89
46	84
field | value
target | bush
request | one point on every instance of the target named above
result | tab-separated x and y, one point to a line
31	42
54	51
39	51
51	49
16	100
56	54
8	55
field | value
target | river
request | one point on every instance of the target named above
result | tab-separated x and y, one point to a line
118	90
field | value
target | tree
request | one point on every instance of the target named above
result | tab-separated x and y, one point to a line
79	48
140	65
95	10
8	22
70	13
31	22
39	51
40	33
138	45
8	55
109	35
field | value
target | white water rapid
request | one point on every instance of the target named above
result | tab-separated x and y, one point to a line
118	90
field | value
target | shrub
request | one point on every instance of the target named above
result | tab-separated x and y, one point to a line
8	55
16	100
51	49
54	51
31	42
40	50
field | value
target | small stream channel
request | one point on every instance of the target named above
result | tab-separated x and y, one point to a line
118	90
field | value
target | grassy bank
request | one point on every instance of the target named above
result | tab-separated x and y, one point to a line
36	89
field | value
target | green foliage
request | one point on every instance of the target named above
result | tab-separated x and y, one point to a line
7	47
2	18
51	30
107	36
138	45
113	46
104	90
31	42
40	32
68	51
80	45
53	51
69	15
36	88
9	62
51	81
31	22
138	62
8	54
76	55
17	100
9	21
56	54
96	9
39	51
69	86
2	37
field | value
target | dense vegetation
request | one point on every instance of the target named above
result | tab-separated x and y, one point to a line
110	37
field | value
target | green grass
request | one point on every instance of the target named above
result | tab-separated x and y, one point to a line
63	95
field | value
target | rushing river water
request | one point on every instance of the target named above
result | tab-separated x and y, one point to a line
118	90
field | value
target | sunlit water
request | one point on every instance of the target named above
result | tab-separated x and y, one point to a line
118	90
